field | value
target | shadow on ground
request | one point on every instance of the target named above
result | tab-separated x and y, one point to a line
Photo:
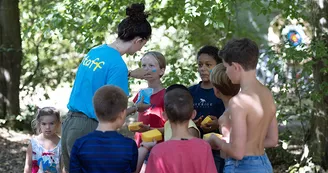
12	153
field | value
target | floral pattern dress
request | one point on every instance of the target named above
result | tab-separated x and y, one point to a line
45	161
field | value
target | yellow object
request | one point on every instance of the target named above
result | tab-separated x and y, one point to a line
134	126
168	129
207	135
150	135
206	120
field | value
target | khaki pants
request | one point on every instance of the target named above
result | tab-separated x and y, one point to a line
75	126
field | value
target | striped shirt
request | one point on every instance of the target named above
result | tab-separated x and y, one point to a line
104	152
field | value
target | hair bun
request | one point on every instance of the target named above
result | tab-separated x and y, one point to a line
136	12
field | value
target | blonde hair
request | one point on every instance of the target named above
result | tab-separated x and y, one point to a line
159	57
45	111
221	81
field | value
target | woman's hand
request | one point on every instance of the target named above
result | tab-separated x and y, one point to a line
138	73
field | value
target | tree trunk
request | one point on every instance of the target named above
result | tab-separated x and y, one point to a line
319	141
10	58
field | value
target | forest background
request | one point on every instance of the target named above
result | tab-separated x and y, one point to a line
43	41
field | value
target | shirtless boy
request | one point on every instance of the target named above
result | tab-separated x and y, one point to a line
252	111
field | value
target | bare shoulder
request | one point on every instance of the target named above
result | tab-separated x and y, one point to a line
267	97
238	101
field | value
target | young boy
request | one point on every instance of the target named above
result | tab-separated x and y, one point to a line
105	149
192	128
205	101
178	154
225	90
252	111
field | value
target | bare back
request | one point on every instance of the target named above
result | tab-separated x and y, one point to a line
259	105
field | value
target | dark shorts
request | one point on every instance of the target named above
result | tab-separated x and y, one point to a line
219	162
249	164
75	126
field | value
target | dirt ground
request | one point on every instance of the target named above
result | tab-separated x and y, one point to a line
12	150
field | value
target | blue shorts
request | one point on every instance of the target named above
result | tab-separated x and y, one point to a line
249	164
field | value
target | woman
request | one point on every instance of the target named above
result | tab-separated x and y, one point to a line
103	65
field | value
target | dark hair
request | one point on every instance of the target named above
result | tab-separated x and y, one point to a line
242	51
108	102
212	51
178	105
176	86
221	81
45	111
135	25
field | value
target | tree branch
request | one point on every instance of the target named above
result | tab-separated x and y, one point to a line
29	79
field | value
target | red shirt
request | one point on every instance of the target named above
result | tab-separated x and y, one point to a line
177	156
153	115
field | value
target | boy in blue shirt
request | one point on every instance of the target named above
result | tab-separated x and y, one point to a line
105	150
205	101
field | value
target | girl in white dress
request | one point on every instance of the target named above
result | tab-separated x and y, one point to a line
44	151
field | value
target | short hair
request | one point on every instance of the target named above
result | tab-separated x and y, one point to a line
178	105
159	57
221	81
135	25
211	51
108	102
242	51
176	86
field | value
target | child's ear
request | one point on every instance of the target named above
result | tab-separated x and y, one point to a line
216	92
162	71
123	115
237	66
194	113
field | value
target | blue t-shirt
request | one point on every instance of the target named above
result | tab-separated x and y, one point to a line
107	151
102	65
205	102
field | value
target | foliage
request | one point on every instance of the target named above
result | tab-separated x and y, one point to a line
57	33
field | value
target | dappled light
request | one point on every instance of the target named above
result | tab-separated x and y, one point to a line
42	43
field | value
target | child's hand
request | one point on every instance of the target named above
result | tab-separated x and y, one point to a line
142	106
138	73
211	126
212	140
143	128
198	121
